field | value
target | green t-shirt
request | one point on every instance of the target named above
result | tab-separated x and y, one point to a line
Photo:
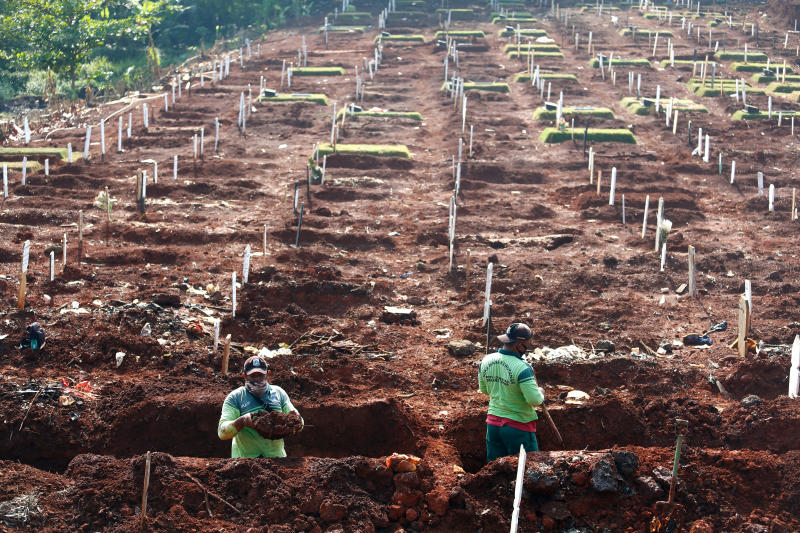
247	442
511	386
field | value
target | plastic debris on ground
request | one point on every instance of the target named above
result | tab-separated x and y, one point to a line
562	354
20	510
283	349
576	397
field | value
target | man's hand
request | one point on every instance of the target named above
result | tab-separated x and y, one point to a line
243	421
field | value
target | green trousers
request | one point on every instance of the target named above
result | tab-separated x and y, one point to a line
502	441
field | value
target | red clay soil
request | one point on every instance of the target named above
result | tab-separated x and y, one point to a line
369	383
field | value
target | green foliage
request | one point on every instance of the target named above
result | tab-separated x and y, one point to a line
554	135
460	33
637	107
536	47
757	67
401	38
721	87
524	32
496	86
62	35
778	87
762	78
536	54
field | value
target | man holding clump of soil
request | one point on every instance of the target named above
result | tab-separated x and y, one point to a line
513	394
258	415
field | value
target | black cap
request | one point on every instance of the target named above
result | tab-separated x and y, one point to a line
516	332
255	364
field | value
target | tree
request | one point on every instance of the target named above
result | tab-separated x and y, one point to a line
62	34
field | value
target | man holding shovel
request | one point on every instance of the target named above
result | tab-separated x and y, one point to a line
513	395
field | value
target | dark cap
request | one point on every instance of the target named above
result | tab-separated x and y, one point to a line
516	332
254	364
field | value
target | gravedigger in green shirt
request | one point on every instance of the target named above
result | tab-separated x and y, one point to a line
256	396
513	393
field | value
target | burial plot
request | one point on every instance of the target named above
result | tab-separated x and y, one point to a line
621	62
492	86
457	14
733	55
737	66
317	71
378	113
533	33
547	76
400	39
378	150
646	106
720	87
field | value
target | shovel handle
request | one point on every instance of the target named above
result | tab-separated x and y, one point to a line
546	414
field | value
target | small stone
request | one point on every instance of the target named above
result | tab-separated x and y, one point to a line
539	482
332	512
406	481
396	512
438	501
751	400
649	487
411	514
462	348
166	299
604	345
604	477
402	315
681	288
627	462
547	522
701	526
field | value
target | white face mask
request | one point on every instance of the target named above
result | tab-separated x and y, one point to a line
257	388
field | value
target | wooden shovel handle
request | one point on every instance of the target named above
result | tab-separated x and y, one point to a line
552	425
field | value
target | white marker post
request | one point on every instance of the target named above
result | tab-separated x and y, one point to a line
119	135
64	248
246	265
87	142
733	171
613	185
644	217
692	280
233	294
659	219
47	167
52	266
24	169
5	181
175	168
663	255
23	280
771	197
27	129
216	134
518	489
794	370
216	334
69	152
761	184
155	172
130	124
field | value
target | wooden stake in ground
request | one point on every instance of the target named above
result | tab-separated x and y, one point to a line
226	353
692	281
23	281
144	489
744	318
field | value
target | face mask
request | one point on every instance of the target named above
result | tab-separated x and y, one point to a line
257	388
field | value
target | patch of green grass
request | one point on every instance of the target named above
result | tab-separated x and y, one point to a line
637	107
782	88
761	115
524	32
43	151
512	14
721	87
320	99
381	150
555	76
622	62
537	55
460	33
352	16
401	38
756	67
683	64
412	115
645	33
32	166
344	29
317	71
763	78
550	114
526	47
739	56
554	135
511	20
493	86
460	11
